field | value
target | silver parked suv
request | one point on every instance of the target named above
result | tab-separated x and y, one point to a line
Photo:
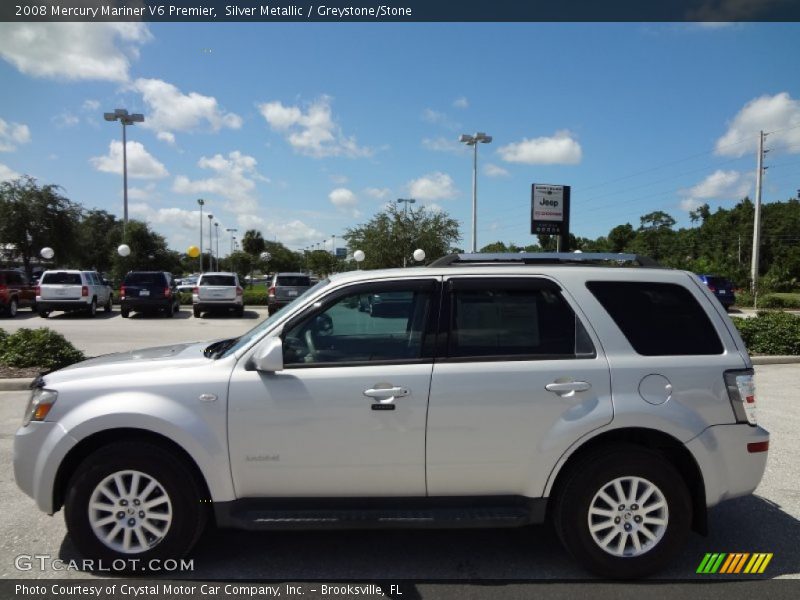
499	390
72	290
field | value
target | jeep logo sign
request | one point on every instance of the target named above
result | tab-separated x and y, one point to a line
550	210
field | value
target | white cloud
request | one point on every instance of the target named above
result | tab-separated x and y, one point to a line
12	134
6	173
433	186
141	164
171	110
313	132
339	179
91	105
171	217
444	144
145	193
73	51
720	185
560	149
439	118
492	170
345	200
766	113
377	193
292	233
235	180
66	119
461	102
166	136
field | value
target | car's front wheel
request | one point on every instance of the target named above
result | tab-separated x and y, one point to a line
134	501
623	513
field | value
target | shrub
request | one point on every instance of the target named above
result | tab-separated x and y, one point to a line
185	298
38	348
255	297
772	301
771	333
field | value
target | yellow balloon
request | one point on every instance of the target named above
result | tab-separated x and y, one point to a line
193	251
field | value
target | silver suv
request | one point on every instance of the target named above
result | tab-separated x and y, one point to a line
72	290
496	390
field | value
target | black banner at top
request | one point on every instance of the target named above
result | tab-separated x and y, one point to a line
398	10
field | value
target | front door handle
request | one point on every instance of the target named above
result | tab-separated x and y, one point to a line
386	395
567	388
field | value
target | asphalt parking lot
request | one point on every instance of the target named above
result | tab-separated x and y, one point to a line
768	521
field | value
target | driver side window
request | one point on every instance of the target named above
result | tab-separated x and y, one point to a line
373	325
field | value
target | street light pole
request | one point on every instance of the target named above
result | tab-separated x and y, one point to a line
210	243
201	202
216	230
121	115
474	140
232	231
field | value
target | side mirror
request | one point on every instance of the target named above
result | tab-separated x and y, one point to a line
268	358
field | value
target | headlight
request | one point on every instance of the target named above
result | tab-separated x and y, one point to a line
39	405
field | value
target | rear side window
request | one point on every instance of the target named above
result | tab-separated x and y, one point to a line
658	319
144	279
520	319
226	280
293	280
59	277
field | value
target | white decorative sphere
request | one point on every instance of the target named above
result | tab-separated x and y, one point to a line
47	253
359	255
124	250
419	255
265	256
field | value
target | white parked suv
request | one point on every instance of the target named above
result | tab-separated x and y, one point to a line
499	390
72	290
218	291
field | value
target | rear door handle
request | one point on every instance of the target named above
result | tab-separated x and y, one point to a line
386	395
567	388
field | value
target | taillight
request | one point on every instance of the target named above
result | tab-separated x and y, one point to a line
85	291
38	290
122	291
272	291
712	288
742	394
239	291
167	292
195	290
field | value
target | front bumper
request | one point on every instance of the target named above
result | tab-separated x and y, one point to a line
39	450
729	469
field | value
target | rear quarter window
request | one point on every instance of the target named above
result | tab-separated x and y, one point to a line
658	319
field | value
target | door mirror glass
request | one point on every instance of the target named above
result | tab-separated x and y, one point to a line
268	357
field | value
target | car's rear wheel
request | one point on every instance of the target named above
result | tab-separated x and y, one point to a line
624	512
134	501
44	313
196	312
12	308
92	310
240	311
109	305
125	312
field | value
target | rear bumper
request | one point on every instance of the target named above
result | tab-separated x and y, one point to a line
217	304
729	468
146	303
66	305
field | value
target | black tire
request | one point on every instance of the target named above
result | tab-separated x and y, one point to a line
169	312
92	310
11	311
196	312
240	311
44	313
588	477
125	312
109	305
189	515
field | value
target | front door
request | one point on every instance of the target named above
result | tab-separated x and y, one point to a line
346	416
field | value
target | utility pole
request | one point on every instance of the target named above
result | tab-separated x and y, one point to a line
760	168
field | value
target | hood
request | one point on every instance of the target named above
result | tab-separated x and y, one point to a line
125	363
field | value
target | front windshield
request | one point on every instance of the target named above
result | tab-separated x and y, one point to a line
256	331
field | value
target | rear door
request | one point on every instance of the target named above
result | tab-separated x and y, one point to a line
518	378
61	285
217	288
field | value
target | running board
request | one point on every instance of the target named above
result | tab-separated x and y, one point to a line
379	513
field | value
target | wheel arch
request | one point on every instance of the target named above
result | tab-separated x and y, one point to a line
666	445
87	446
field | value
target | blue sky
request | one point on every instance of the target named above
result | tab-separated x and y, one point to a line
302	130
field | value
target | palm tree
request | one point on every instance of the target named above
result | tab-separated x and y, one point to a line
253	243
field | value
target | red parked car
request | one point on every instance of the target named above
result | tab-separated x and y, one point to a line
15	292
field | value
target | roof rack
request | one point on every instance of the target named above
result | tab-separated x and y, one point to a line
543	258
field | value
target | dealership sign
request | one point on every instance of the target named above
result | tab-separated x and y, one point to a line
550	209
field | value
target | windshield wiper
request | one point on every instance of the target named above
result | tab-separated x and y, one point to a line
218	348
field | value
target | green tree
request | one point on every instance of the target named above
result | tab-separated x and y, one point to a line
99	234
322	262
33	217
392	236
149	252
620	237
240	263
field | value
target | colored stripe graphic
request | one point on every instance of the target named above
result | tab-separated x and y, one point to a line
734	563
